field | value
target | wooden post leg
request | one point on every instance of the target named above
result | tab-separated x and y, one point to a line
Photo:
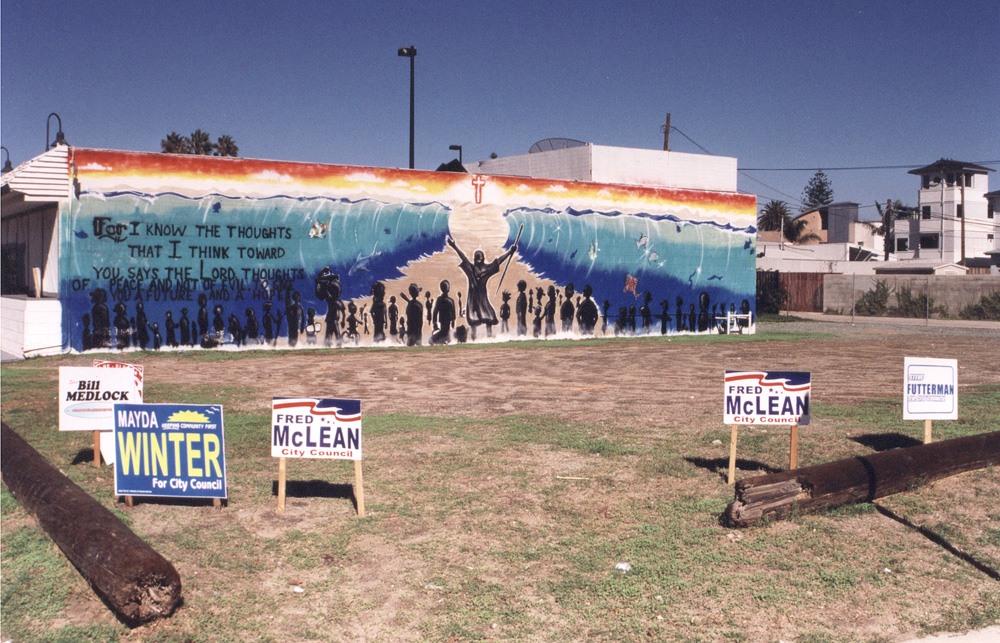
217	503
97	449
359	488
128	501
927	431
282	471
794	453
732	455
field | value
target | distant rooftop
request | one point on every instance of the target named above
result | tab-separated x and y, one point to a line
948	165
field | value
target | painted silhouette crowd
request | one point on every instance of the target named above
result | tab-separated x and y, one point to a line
537	312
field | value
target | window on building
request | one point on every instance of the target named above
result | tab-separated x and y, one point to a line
15	277
929	241
989	237
950	179
960	210
824	219
990	207
925	212
968	180
902	244
927	181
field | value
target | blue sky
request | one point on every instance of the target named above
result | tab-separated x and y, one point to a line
777	84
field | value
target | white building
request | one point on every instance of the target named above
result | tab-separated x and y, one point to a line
955	223
568	160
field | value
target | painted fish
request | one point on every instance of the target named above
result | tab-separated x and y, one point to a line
592	252
80	234
319	230
631	283
643	241
653	256
362	262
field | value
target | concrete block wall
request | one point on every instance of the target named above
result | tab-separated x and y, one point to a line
952	291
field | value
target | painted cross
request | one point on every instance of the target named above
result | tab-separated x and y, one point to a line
478	182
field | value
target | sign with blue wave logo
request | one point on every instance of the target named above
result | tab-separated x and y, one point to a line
767	397
312	427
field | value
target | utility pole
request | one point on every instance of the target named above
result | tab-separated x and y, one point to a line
666	134
961	177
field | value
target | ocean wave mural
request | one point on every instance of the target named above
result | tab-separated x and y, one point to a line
168	252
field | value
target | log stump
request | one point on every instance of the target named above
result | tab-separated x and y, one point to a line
134	580
858	479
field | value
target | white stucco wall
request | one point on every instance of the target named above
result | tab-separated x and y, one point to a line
621	165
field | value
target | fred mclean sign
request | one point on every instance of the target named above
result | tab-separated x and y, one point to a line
767	397
312	427
174	450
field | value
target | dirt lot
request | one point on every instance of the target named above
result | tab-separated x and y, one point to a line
480	528
604	381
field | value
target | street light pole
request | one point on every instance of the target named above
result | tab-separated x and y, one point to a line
459	149
411	53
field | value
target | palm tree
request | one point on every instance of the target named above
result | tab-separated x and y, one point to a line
226	146
175	144
201	143
772	215
794	229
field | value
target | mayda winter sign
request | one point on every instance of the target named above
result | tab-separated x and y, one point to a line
310	427
169	450
767	397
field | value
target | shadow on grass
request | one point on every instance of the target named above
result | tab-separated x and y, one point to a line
171	502
886	441
720	466
84	455
316	489
937	539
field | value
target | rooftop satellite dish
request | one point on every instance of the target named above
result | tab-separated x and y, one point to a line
548	144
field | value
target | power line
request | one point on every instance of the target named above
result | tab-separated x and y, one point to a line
844	169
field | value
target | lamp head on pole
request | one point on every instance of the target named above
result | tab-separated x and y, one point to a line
7	167
457	148
60	137
408	52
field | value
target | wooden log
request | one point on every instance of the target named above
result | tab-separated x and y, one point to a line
135	581
859	479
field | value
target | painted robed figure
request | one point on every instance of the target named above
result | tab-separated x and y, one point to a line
478	309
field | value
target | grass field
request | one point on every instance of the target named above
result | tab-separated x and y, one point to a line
509	527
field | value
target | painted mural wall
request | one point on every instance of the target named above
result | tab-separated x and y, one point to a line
168	252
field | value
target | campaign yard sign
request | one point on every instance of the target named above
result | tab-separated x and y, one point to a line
312	427
174	450
930	389
107	437
767	397
87	396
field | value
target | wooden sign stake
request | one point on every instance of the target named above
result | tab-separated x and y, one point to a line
217	503
97	449
282	471
927	431
128	501
359	489
793	455
732	455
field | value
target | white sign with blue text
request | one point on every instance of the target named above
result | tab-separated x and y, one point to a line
930	388
767	397
311	427
87	396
